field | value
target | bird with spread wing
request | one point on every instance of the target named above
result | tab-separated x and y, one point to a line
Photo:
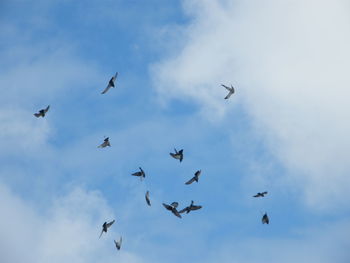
42	112
172	207
105	226
111	83
230	89
190	208
195	177
178	155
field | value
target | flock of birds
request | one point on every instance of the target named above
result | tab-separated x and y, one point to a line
178	155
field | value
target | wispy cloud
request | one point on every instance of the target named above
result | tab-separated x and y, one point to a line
288	61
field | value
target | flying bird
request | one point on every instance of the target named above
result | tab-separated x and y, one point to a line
265	219
172	207
105	143
231	91
110	83
178	155
260	194
140	173
42	112
190	208
119	243
147	198
105	226
195	177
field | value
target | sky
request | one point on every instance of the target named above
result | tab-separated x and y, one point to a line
285	130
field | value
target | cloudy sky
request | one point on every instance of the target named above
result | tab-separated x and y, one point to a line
284	131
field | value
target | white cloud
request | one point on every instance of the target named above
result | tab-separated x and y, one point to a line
67	232
289	61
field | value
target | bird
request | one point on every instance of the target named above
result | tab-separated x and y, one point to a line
105	143
265	219
105	226
172	207
118	244
147	198
140	173
178	155
42	112
231	91
195	177
190	208
260	194
110	83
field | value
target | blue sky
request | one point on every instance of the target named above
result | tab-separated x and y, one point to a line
284	130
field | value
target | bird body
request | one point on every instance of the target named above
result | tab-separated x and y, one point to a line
148	201
105	143
260	194
195	177
172	207
140	173
230	89
42	112
265	219
119	243
111	83
177	155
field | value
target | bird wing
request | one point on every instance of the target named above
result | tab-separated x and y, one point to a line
120	242
47	109
191	180
257	195
175	212
169	207
110	223
136	174
101	233
142	172
228	95
196	207
228	88
174	204
102	145
37	115
264	193
184	210
115	76
106	89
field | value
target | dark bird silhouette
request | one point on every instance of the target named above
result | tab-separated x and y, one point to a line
119	243
172	207
265	219
147	198
105	143
260	194
105	226
178	155
110	83
195	177
140	173
190	208
231	91
42	112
